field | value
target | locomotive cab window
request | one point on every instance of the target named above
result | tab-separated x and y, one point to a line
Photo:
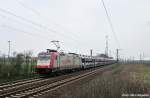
44	57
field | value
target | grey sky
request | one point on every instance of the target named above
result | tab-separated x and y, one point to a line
80	25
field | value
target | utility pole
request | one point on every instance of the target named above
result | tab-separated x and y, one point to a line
56	43
117	54
91	52
140	58
106	48
9	49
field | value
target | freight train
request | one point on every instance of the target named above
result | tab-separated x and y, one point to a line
54	61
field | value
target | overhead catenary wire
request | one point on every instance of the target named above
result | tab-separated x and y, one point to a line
37	30
110	23
27	7
29	33
19	22
40	26
33	23
26	20
36	12
25	32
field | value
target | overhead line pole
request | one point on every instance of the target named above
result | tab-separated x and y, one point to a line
117	54
106	49
9	49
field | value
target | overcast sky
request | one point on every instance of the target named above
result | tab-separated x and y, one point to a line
79	25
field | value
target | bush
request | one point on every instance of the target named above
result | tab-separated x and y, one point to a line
18	66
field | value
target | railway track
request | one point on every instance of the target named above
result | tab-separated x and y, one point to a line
21	86
14	83
7	85
39	92
36	88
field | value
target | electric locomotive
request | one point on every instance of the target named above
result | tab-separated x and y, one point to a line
53	61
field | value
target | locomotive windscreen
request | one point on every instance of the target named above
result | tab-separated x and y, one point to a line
43	59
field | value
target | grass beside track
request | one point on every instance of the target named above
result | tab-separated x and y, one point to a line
122	79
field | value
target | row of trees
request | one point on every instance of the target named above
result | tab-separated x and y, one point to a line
20	64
